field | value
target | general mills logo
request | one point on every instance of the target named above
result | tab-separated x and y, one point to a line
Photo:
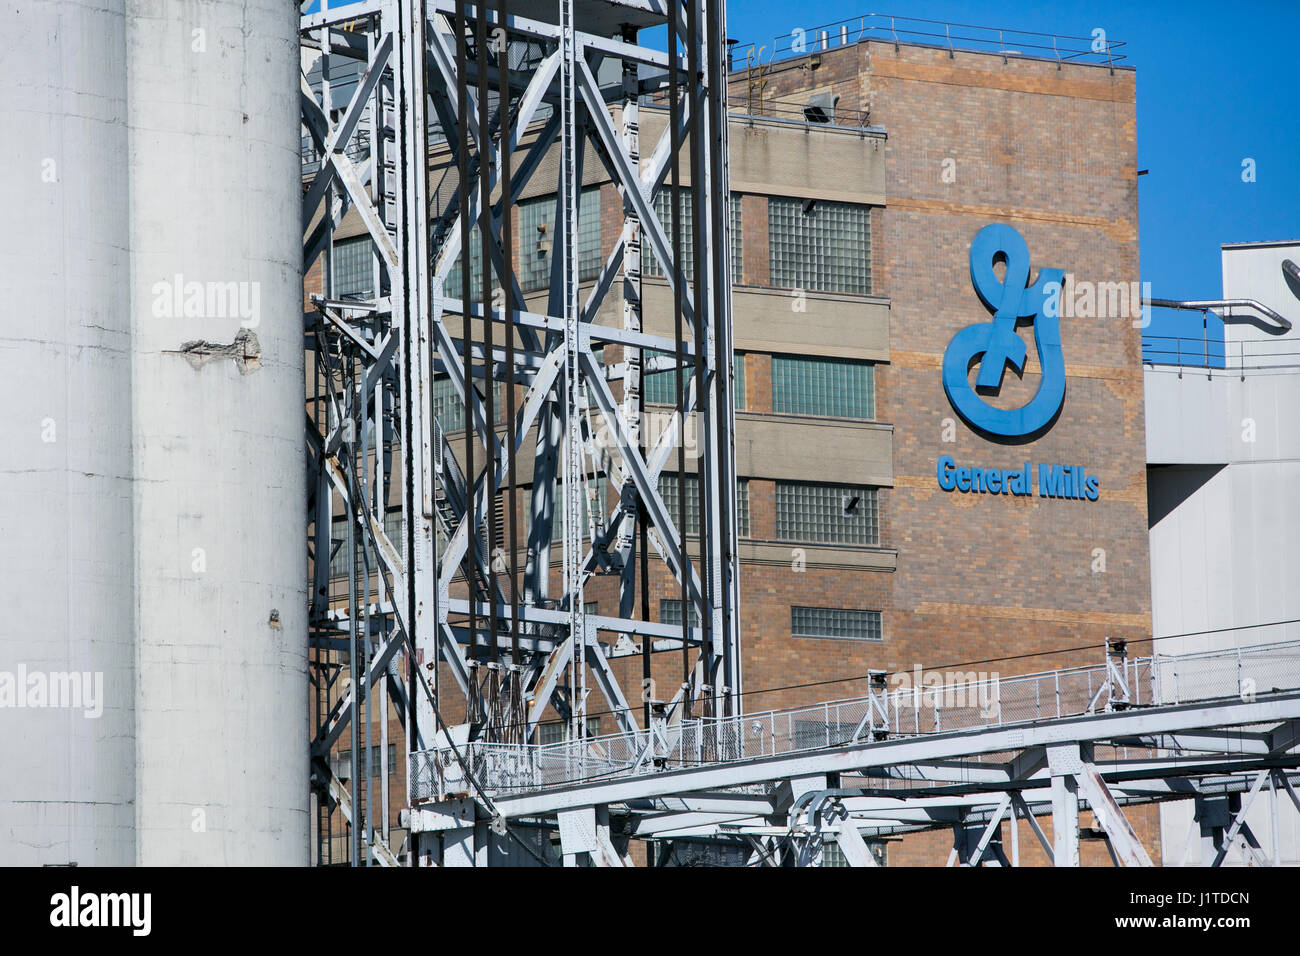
994	345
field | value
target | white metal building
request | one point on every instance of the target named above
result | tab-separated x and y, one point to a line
1223	455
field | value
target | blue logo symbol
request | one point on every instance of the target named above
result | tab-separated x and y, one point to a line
995	345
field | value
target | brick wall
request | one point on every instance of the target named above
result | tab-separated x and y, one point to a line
1052	153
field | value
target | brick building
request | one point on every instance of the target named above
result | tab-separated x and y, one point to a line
860	175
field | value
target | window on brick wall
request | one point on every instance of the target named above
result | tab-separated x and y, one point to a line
453	287
339	543
661	389
537	239
668	492
835	623
551	732
353	264
342	762
821	245
832	855
393	530
449	409
670	613
834	514
601	488
554	731
838	388
339	547
663	210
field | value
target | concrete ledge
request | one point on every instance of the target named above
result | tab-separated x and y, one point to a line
840	557
844	451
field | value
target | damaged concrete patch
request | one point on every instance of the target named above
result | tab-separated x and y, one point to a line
245	350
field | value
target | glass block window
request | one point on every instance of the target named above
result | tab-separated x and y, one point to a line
835	514
835	623
838	388
650	262
354	271
342	762
820	245
453	288
551	732
554	731
339	548
668	492
660	389
537	239
393	529
339	543
557	517
832	855
670	612
447	405
450	410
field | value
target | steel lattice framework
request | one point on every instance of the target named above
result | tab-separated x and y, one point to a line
499	93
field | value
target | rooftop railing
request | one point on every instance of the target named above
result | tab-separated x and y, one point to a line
1061	48
1216	354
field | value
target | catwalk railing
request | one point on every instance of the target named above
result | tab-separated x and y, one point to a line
1119	684
1060	48
1216	354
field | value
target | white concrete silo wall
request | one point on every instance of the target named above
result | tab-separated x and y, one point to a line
221	690
66	777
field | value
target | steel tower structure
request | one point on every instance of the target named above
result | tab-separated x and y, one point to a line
500	91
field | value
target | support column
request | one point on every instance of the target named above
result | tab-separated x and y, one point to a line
1064	761
1212	818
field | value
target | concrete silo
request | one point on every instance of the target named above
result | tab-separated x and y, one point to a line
67	561
221	692
161	543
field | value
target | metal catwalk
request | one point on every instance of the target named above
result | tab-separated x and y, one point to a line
1214	727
